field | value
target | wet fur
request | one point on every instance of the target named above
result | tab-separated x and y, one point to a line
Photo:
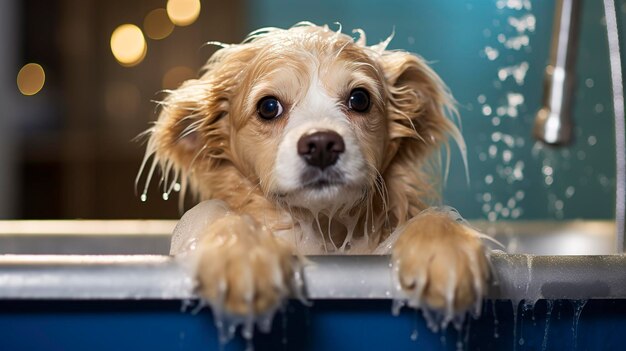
202	140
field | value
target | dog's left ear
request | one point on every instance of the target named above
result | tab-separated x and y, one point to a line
419	105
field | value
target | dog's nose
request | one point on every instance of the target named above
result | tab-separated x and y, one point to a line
321	149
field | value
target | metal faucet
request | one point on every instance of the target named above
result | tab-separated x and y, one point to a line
617	87
553	124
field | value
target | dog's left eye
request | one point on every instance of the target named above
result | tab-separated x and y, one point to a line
359	100
269	108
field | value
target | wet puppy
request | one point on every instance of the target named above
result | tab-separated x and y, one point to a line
307	141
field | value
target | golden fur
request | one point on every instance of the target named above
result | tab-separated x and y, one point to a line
208	139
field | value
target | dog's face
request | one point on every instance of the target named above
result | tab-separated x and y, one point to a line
309	121
308	115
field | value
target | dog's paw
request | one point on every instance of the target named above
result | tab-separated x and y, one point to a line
440	264
243	269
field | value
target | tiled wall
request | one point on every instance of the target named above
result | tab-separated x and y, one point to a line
475	45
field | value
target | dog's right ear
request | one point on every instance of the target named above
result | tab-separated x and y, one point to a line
191	133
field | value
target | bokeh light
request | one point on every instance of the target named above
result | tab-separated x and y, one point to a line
128	45
30	79
176	75
183	12
157	24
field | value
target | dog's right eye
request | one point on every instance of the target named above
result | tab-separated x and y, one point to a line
269	108
359	100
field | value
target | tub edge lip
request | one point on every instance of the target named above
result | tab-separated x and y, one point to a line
97	277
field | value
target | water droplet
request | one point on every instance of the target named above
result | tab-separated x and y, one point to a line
502	74
517	42
516	213
493	150
518	72
524	23
508	140
176	187
549	180
495	121
591	140
481	99
491	53
166	196
496	136
488	179
507	155
604	180
569	192
558	204
589	82
519	195
599	108
544	343
514	4
486	110
547	170
578	309
518	171
143	197
487	197
496	334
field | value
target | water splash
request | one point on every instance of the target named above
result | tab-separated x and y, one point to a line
514	4
524	23
549	307
578	309
505	148
517	42
496	323
515	306
527	306
518	72
491	53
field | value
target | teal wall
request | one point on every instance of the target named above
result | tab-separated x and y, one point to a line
577	181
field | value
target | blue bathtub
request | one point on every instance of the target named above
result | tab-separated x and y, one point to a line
115	289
